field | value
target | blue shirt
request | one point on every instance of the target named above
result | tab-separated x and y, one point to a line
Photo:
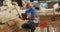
31	12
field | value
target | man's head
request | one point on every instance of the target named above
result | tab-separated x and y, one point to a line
28	6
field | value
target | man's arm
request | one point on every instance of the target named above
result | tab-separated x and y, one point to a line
31	18
33	15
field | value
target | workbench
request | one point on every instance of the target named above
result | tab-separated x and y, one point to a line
53	19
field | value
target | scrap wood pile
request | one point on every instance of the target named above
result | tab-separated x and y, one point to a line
9	21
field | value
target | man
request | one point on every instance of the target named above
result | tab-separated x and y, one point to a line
31	16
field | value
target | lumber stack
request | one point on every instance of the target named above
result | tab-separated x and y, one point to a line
9	16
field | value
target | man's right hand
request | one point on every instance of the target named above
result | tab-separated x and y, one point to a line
24	16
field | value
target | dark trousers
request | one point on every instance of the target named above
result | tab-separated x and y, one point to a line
30	25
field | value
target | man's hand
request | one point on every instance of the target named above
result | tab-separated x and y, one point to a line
24	16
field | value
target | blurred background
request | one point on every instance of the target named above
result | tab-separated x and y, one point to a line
47	11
